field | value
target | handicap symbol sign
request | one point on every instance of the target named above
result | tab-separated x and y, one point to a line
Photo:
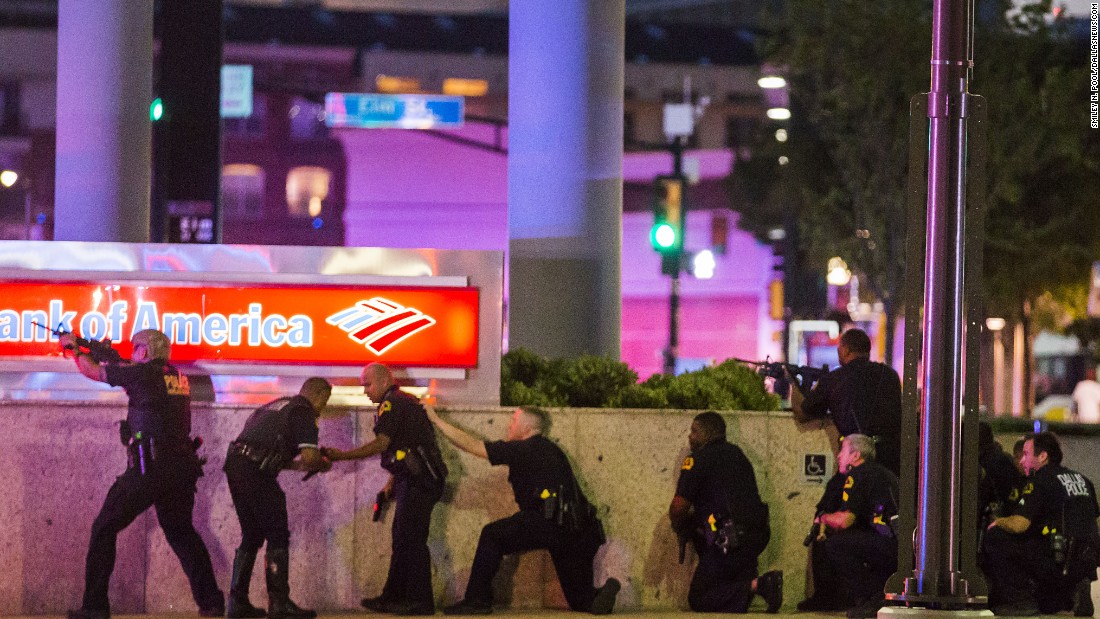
814	468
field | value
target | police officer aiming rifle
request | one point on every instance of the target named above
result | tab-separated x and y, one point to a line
859	397
161	472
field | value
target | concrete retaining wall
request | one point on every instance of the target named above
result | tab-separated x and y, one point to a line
59	459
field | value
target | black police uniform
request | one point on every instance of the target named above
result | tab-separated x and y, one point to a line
1058	502
1000	484
865	554
553	515
862	397
719	481
419	473
829	591
272	437
162	471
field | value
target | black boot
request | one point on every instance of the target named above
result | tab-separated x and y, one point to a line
239	607
279	605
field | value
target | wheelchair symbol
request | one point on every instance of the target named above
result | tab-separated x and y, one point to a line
815	465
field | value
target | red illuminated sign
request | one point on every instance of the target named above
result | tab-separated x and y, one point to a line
317	325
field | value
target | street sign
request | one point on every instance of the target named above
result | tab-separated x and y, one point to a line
375	111
236	91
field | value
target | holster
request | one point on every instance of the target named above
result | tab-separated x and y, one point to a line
141	453
269	460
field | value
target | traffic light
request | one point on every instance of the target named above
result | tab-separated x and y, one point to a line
156	110
667	234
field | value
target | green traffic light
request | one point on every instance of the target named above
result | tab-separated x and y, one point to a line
664	236
156	110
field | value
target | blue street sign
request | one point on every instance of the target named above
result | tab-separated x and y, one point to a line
372	111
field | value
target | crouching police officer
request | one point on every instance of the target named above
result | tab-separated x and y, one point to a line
718	508
273	436
553	514
861	545
162	470
1049	544
829	593
406	440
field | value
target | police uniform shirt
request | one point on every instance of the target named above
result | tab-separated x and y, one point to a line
832	499
535	465
160	400
1057	499
294	416
870	494
718	479
402	418
1001	480
863	397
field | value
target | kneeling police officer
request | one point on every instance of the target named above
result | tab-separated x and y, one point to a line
717	507
1049	543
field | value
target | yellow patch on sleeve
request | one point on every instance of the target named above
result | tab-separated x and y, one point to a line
385	407
399	454
848	483
712	522
545	494
688	463
1028	488
844	496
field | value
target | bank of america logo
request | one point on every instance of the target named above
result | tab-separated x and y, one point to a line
380	324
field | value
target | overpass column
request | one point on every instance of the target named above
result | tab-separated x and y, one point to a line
565	116
104	87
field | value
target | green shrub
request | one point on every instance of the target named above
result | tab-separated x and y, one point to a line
593	382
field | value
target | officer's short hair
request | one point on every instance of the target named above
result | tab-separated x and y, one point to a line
712	423
540	419
857	341
1018	448
156	343
1046	442
862	443
316	384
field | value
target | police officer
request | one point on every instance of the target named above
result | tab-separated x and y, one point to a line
1049	542
861	545
406	440
829	593
162	470
553	514
1000	482
718	508
860	397
273	436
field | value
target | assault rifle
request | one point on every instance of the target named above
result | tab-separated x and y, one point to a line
805	376
101	352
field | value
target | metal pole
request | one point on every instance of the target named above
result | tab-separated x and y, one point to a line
937	575
672	350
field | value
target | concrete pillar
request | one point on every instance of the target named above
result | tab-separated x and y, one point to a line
565	115
104	85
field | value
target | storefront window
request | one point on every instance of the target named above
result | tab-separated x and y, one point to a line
242	190
306	190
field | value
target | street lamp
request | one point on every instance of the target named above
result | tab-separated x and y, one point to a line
8	178
837	273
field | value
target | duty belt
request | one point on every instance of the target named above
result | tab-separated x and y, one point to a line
255	454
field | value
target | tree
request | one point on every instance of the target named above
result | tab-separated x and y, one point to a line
853	67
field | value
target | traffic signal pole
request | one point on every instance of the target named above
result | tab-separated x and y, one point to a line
672	350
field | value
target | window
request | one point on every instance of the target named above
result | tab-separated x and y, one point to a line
251	127
307	119
306	190
242	190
